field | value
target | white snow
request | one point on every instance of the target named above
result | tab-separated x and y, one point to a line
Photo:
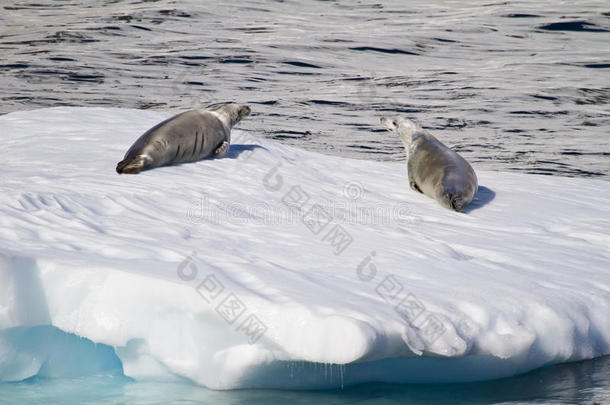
149	264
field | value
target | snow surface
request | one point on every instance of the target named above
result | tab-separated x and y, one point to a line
221	271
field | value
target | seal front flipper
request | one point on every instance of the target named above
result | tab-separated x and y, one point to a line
412	183
222	149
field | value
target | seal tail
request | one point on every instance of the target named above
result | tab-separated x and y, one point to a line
130	165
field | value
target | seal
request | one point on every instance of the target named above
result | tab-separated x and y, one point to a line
187	137
434	169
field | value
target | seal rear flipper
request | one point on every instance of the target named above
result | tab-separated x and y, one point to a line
414	186
131	165
453	202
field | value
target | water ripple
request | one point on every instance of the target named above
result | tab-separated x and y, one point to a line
519	87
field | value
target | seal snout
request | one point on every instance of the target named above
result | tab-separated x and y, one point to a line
389	123
244	111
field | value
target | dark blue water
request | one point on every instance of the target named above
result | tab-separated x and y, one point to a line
585	382
517	85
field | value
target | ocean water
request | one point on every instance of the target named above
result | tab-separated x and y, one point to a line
513	86
518	85
583	383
